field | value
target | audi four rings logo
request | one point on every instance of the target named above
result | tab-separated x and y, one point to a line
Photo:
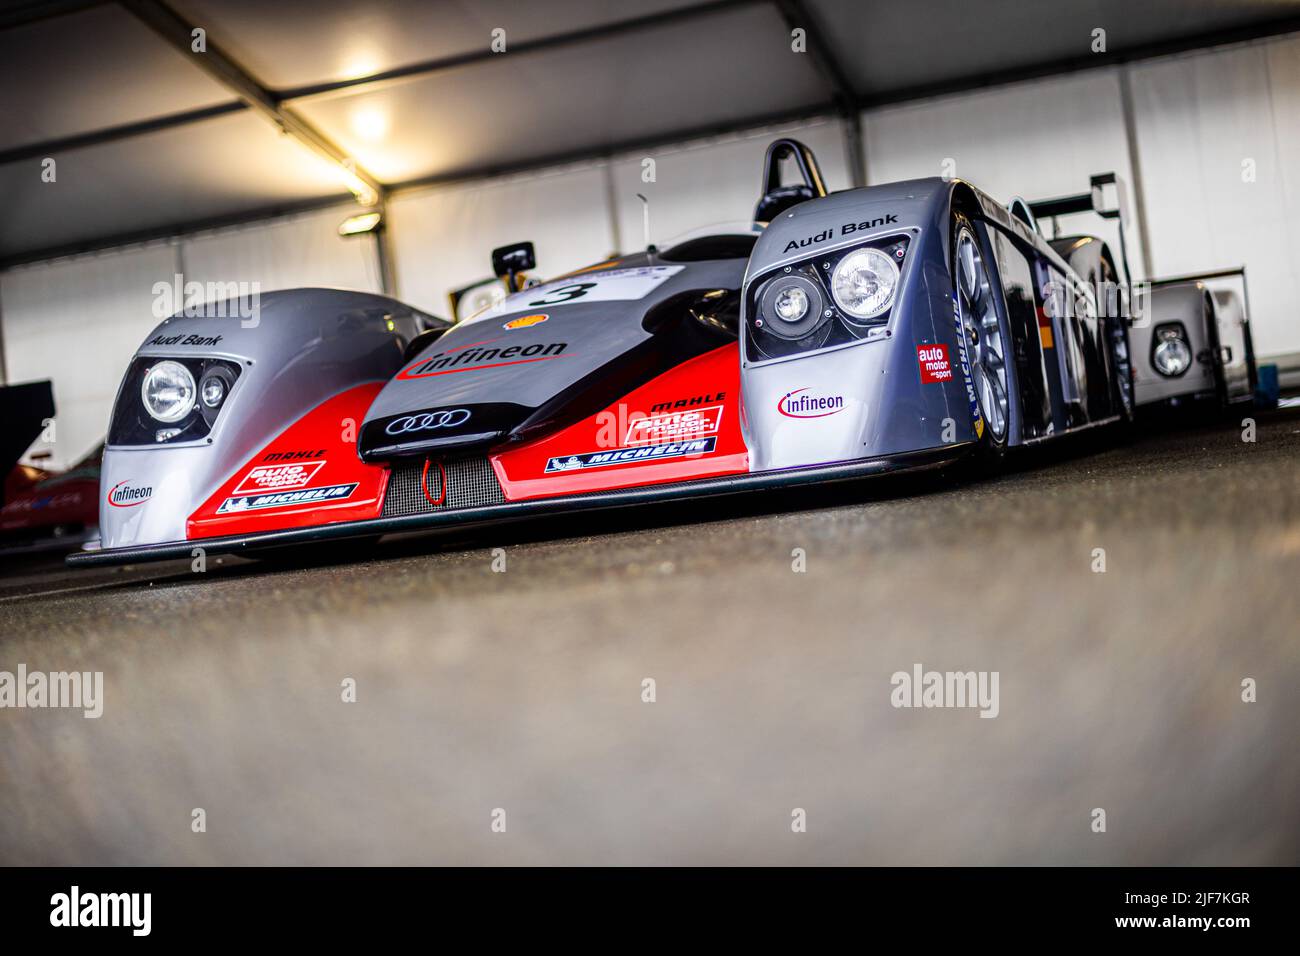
426	421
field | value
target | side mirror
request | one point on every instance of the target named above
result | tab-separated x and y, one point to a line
508	262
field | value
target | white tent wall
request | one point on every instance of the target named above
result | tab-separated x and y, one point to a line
704	183
1219	143
296	251
77	322
1036	140
442	238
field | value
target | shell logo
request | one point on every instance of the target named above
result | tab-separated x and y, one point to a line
524	321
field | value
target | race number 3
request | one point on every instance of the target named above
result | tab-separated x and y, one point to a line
565	293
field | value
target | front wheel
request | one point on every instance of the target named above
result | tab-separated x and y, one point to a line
1121	365
983	339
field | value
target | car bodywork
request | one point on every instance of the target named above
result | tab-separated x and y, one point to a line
648	377
1208	314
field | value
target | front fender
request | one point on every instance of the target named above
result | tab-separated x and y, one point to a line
305	347
903	387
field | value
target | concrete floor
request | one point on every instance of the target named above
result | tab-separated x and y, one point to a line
521	690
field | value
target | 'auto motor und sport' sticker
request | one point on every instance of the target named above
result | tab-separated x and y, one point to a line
674	426
277	477
933	360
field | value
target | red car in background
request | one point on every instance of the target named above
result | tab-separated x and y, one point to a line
42	509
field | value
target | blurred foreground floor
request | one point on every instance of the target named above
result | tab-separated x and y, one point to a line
522	690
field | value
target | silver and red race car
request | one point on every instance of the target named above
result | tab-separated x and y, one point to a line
834	337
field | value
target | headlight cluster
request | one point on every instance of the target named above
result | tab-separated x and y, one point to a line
793	305
837	297
168	391
864	283
171	400
1170	352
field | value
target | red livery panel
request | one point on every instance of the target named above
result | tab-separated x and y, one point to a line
309	475
684	424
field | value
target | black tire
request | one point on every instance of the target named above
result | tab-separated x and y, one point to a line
1122	392
980	315
1252	369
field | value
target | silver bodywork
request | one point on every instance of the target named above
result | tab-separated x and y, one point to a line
888	408
306	346
1191	306
858	372
1236	352
1218	332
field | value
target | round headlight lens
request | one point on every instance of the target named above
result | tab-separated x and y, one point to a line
168	391
791	307
213	391
864	283
790	304
1172	356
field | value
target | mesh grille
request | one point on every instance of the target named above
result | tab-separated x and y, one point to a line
471	483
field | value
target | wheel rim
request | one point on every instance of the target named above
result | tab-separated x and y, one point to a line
1123	371
983	332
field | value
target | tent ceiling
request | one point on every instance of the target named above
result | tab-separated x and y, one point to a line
147	141
947	44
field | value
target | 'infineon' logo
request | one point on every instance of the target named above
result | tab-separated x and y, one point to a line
797	404
126	495
468	358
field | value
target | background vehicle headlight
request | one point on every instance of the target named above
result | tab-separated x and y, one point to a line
864	282
168	391
1172	355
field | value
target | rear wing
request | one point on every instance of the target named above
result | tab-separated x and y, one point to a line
1202	277
1216	280
1096	201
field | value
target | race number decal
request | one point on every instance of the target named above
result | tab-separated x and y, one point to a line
612	285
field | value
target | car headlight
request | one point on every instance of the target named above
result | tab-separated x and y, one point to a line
791	306
864	283
168	391
215	385
1172	355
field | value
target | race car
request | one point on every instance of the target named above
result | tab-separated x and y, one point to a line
1191	341
835	336
41	509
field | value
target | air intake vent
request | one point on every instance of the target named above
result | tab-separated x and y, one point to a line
471	483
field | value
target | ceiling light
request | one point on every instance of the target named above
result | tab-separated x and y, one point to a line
360	224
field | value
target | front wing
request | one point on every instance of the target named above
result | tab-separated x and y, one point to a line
495	514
